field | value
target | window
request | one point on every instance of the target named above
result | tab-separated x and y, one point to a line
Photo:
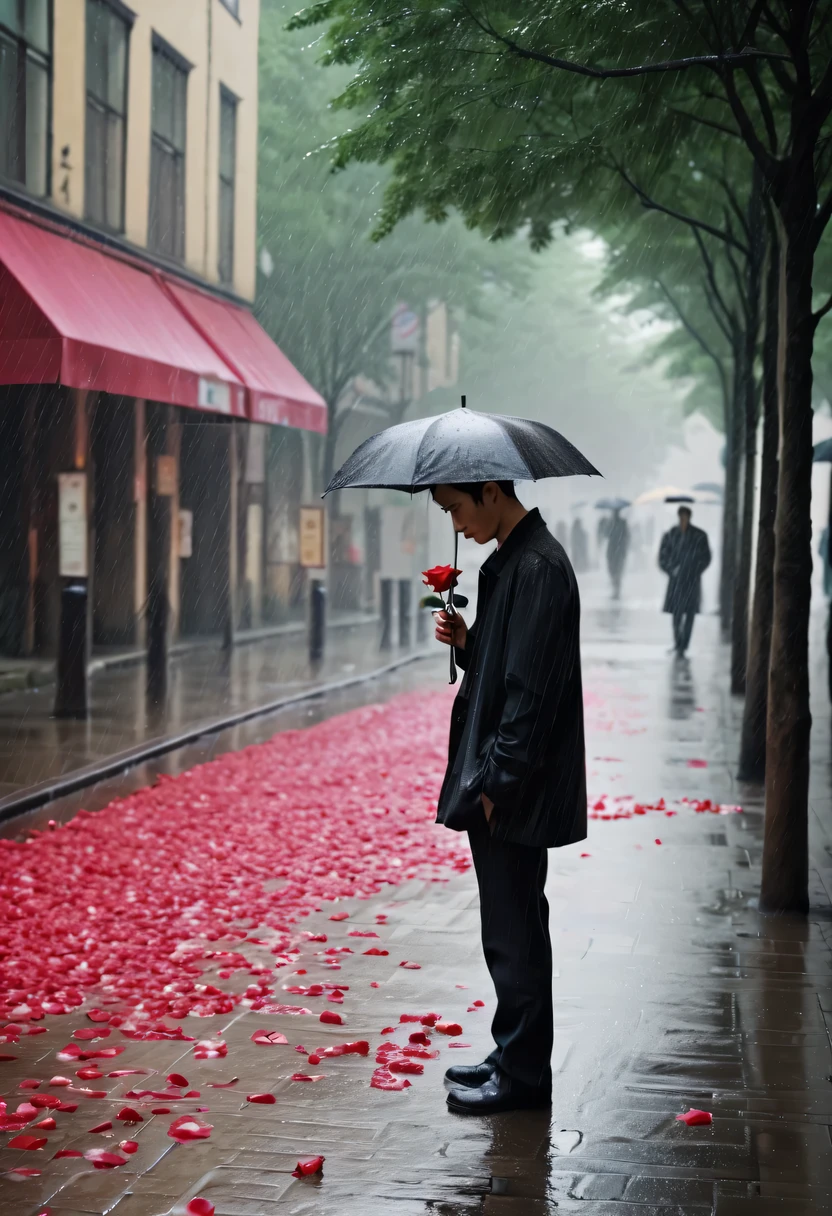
166	230
228	159
108	32
25	69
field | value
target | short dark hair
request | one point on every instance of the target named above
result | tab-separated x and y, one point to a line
475	488
686	510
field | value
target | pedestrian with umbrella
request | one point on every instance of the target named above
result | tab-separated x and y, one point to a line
516	773
684	555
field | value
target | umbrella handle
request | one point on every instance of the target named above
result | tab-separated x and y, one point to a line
452	610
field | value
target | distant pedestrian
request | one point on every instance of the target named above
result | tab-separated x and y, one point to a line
618	543
579	546
684	555
562	534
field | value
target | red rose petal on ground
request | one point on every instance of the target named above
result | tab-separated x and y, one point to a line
697	763
376	953
303	1076
28	1142
130	1072
340	916
128	1115
449	1028
695	1118
60	1081
176	1078
22	1171
406	1065
261	1099
411	966
312	1165
67	1152
332	1018
200	1207
89	1074
165	1110
102	1127
187	1128
128	1146
223	1085
46	1125
29	1084
104	1160
268	1038
382	1078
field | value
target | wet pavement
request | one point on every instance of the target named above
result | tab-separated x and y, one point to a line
204	685
670	992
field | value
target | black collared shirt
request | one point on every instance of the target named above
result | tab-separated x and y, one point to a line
517	725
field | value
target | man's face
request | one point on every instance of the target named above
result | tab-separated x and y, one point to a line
684	520
475	520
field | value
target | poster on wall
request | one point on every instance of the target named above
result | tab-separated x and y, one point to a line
72	525
312	553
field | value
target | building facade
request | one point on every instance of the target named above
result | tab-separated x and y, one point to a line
151	434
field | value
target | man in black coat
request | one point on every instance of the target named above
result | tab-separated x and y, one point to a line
684	554
516	776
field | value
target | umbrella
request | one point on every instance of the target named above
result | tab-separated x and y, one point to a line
680	498
660	494
459	446
823	451
611	504
710	487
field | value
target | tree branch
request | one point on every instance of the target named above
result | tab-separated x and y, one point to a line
818	316
695	334
650	204
718	62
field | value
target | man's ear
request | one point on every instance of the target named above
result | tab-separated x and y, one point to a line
490	493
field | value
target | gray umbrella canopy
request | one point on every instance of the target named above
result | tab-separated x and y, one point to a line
459	446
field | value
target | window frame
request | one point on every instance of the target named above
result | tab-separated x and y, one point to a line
128	17
46	60
162	48
227	98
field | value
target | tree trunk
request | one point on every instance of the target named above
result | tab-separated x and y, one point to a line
786	848
752	765
750	340
730	508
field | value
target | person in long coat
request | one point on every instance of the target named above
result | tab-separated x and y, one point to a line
516	775
684	555
618	546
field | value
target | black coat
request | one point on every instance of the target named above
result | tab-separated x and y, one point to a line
517	727
684	556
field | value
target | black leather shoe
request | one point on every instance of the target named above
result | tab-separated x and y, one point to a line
470	1075
498	1094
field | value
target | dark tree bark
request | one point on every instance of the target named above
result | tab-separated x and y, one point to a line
752	762
748	356
730	507
785	878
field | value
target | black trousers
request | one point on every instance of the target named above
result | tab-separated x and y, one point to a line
518	953
682	629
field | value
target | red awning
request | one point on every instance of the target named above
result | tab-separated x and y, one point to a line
277	392
73	314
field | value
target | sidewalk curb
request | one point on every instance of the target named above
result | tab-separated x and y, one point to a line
47	791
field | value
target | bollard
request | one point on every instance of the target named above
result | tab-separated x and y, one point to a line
405	618
317	620
386	588
71	691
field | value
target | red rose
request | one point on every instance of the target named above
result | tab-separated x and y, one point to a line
441	578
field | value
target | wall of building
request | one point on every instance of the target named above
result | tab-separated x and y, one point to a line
222	50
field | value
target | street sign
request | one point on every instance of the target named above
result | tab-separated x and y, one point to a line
165	476
73	558
404	330
312	555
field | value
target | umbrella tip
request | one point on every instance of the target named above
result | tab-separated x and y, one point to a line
463	400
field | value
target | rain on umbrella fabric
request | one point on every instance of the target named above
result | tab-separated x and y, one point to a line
460	446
